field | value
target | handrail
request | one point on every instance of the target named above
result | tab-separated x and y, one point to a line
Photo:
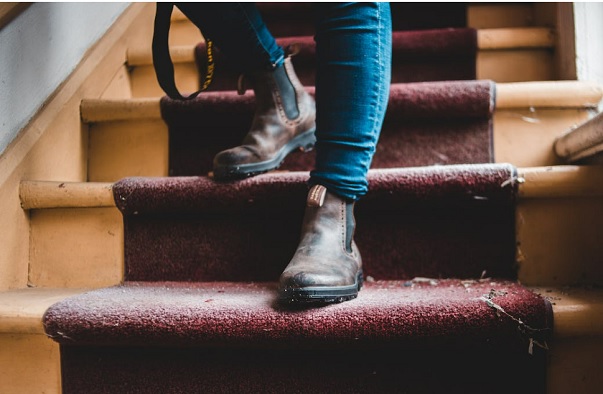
582	142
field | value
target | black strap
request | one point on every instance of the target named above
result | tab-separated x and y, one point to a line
164	68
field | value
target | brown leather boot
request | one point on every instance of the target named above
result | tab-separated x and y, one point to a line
284	120
327	266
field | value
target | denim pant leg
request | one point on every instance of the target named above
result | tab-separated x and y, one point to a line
238	30
353	47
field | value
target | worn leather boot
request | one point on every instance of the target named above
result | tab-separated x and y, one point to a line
327	266
284	120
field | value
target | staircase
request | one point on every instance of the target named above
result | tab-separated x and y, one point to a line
481	246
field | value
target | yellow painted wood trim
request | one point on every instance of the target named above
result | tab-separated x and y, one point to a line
515	38
9	11
42	194
560	182
53	146
534	182
548	94
578	312
487	39
21	310
144	57
555	94
101	110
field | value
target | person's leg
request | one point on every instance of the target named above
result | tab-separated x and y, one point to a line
240	33
285	114
353	46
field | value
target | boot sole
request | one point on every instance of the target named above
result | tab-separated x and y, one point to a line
321	294
304	142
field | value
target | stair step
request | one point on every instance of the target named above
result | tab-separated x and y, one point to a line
417	56
26	350
536	183
578	325
218	314
545	95
250	228
487	39
83	247
422	127
428	321
128	137
474	15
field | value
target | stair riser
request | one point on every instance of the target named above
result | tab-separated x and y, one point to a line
127	148
267	371
422	127
559	241
575	366
525	136
24	356
76	248
139	147
520	65
500	66
479	16
265	253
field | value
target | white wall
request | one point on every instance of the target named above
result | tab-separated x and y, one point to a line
38	51
588	21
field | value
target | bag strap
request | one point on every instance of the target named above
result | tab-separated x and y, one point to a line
164	68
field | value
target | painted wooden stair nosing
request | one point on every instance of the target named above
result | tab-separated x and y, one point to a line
487	39
578	311
552	94
537	182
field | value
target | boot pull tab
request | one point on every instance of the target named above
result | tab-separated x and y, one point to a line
316	196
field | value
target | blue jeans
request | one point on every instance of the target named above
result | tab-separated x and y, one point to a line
353	48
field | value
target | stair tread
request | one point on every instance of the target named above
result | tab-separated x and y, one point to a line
535	182
555	94
21	310
391	187
486	39
578	311
414	313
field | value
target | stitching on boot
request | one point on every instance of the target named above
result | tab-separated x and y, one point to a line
281	110
298	88
343	226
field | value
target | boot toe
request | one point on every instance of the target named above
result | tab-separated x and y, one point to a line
235	156
301	280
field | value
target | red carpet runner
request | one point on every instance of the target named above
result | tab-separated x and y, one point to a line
418	56
426	124
418	336
436	221
440	310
